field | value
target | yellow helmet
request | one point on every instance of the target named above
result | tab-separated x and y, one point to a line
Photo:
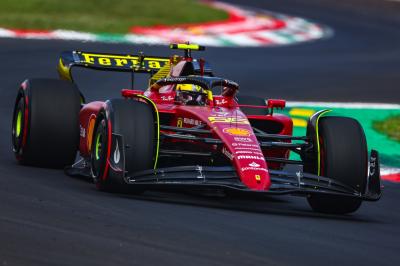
189	87
191	94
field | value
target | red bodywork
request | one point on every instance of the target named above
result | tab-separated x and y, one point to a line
221	115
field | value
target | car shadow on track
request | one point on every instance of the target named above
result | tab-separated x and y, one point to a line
283	205
271	205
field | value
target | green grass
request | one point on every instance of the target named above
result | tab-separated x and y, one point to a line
389	127
102	16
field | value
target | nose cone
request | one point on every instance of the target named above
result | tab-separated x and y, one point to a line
240	146
252	169
245	153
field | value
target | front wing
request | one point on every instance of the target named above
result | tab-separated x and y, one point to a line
283	182
225	178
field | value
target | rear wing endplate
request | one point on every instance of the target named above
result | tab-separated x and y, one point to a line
109	62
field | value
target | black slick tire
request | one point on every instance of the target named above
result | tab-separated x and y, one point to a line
135	122
45	126
344	157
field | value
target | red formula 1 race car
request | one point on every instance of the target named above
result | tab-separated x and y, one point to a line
189	130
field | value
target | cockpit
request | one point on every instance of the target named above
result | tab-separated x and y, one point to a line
196	90
190	94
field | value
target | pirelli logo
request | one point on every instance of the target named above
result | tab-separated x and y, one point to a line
122	61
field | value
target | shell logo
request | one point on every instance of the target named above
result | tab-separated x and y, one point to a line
235	131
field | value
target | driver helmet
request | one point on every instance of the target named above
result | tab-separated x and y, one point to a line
190	94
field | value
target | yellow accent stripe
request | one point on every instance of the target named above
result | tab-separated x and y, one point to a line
299	122
156	58
162	73
301	112
126	57
158	127
185	46
64	71
317	139
210	95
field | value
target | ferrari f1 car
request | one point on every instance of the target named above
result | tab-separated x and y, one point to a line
189	130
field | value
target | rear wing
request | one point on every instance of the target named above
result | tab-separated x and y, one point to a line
111	62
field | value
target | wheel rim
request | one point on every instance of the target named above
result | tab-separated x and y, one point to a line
18	124
98	148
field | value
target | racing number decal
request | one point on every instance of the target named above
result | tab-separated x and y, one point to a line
179	122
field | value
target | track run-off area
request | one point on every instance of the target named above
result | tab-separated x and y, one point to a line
245	27
48	218
366	114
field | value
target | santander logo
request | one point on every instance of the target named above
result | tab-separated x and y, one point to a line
254	164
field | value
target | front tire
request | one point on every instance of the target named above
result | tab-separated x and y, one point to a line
135	122
344	157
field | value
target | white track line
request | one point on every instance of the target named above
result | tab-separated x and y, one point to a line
387	170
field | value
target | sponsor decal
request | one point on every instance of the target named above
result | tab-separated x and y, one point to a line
372	166
249	152
117	154
167	98
251	157
180	79
253	150
228	120
224	112
254	164
90	130
227	153
245	152
191	121
221	113
236	131
82	131
127	61
299	174
220	102
241	139
243	169
234	144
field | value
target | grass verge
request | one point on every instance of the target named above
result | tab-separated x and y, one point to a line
389	127
102	16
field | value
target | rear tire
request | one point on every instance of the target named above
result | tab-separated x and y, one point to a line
344	157
252	100
45	128
134	120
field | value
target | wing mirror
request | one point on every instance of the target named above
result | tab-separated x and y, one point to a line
275	103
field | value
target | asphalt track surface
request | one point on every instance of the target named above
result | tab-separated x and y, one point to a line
47	218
